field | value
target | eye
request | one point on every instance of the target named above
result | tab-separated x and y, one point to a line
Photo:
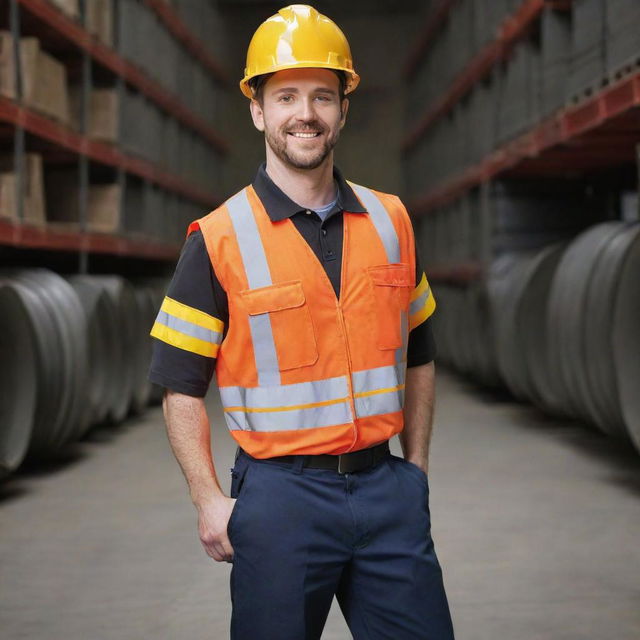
286	98
323	98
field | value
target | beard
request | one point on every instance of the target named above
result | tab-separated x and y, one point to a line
299	159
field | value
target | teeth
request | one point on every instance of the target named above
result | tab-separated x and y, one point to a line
300	134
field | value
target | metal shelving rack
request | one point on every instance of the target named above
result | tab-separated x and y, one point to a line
599	131
52	25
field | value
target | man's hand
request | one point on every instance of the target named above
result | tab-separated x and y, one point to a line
213	517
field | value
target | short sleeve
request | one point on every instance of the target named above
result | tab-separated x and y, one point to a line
421	348
190	324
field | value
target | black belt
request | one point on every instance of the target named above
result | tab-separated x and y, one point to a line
343	463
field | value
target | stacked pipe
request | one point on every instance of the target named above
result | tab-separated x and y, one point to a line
75	353
559	327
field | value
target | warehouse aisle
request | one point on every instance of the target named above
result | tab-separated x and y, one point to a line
535	523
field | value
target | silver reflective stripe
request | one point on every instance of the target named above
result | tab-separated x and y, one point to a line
376	390
256	267
188	328
401	353
418	303
381	220
378	378
380	403
313	418
282	408
299	393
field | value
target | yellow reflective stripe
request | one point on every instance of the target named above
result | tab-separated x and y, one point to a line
420	289
195	316
293	407
183	341
364	394
419	317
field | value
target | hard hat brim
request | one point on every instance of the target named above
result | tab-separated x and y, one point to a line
352	82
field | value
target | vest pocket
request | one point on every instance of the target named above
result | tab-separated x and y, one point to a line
391	284
292	333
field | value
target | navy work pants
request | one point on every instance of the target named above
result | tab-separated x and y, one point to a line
301	536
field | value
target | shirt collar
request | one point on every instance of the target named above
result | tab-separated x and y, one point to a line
279	206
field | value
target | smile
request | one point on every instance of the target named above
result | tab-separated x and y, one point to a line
305	134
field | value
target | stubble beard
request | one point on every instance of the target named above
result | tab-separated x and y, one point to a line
278	143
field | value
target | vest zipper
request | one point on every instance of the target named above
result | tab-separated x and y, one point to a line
349	375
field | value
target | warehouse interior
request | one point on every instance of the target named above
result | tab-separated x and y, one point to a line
509	128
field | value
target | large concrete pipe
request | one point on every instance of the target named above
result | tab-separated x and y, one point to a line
626	337
102	341
70	320
122	295
567	307
18	375
600	370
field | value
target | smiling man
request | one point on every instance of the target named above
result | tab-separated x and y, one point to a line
304	294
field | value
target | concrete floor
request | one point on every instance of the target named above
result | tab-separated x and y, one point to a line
536	524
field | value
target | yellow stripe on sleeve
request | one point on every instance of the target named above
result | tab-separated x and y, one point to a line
420	289
427	309
195	316
183	341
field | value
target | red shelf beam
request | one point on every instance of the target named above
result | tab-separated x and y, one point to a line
101	152
180	31
14	234
513	29
80	37
435	20
602	131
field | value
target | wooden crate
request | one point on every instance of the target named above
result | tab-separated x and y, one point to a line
34	211
99	19
44	78
103	113
70	7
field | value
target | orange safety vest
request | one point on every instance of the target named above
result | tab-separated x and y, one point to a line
299	371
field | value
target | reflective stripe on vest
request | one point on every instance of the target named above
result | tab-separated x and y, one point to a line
258	274
379	390
320	403
381	220
387	232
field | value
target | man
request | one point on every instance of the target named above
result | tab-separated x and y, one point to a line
303	292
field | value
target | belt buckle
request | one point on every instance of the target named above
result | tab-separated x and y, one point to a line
340	471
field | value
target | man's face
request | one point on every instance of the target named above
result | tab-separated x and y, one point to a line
301	115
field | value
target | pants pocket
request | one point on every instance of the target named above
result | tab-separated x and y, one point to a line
239	475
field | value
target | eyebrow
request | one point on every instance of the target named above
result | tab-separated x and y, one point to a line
295	90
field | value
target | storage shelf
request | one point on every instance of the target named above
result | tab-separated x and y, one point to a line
600	133
513	29
432	25
15	234
53	20
176	26
107	154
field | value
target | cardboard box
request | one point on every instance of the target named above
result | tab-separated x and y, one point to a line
103	211
70	7
33	189
44	78
103	201
103	113
8	205
99	20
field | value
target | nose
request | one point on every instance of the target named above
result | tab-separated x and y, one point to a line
307	111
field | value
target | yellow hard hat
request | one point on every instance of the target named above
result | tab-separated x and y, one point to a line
298	37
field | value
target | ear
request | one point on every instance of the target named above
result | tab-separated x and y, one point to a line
344	107
257	115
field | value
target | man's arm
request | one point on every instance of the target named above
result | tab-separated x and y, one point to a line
190	437
418	414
